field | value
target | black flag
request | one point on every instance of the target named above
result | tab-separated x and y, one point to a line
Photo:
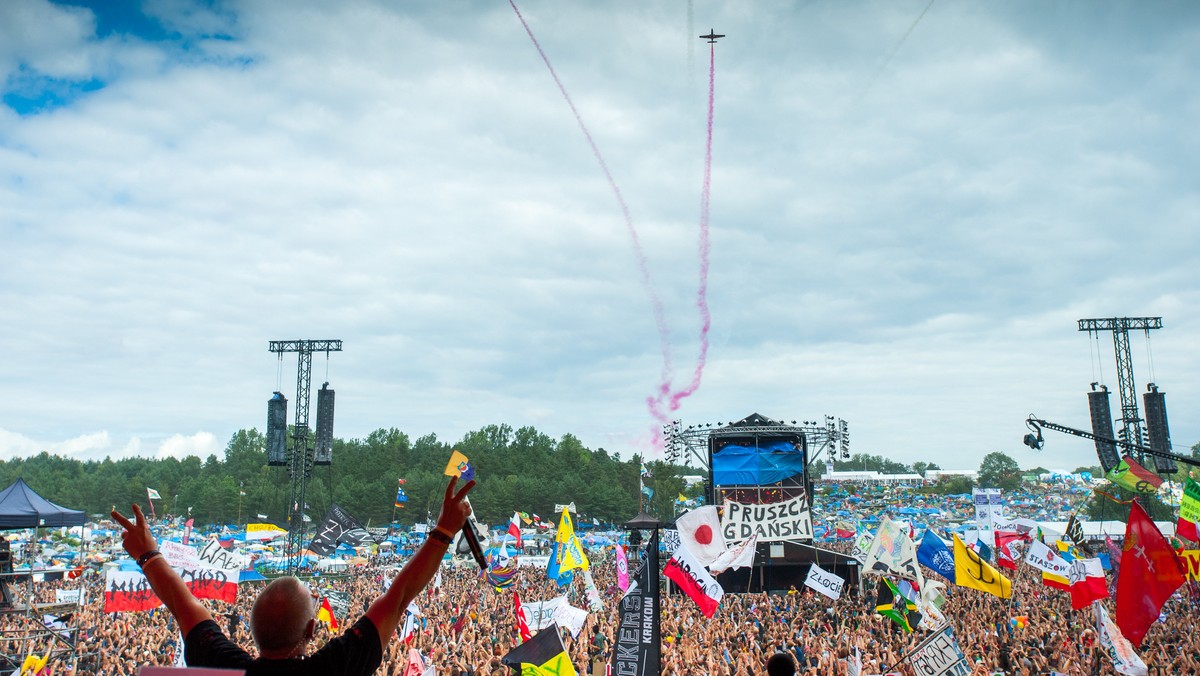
1075	535
338	523
636	647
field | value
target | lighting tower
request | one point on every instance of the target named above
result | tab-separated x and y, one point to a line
1120	326
300	456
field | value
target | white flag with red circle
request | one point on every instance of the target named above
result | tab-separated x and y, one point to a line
700	532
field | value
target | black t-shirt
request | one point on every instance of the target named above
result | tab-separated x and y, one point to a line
354	653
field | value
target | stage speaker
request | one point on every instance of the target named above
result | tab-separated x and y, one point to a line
324	452
1157	430
277	431
1102	429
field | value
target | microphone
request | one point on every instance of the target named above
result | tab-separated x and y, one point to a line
468	533
472	538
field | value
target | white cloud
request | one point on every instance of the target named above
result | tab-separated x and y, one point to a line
911	255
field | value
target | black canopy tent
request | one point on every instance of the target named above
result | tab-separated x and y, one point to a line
22	507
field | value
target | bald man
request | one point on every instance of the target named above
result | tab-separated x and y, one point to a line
284	617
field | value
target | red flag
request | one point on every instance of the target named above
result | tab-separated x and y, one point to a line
1150	574
522	622
684	570
1005	556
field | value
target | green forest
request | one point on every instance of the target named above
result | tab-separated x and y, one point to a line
516	470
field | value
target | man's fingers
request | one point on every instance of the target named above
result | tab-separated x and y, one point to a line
121	520
465	489
450	486
137	515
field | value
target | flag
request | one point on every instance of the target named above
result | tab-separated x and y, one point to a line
681	499
738	556
525	518
1116	646
637	644
824	582
262	531
1087	582
890	603
569	552
700	532
152	494
460	467
972	571
1129	474
647	491
935	555
622	568
542	655
685	570
187	530
1006	555
401	497
1150	574
415	665
325	614
1066	554
646	474
1075	535
514	529
522	619
411	613
892	552
1189	512
337	527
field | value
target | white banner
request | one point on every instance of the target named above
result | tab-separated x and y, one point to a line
570	507
776	522
824	582
861	546
570	617
525	561
1116	646
540	614
988	510
939	655
70	596
180	556
215	556
670	539
1047	559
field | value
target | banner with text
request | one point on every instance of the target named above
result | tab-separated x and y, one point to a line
775	522
824	582
939	655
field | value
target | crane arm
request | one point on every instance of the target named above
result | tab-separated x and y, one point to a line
1036	424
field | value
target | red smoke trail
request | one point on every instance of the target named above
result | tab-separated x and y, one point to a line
655	403
664	392
660	321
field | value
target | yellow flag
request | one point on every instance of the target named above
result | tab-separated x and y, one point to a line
570	549
972	571
457	465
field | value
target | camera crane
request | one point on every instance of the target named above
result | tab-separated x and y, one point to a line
1036	425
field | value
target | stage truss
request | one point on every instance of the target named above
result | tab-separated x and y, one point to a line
832	437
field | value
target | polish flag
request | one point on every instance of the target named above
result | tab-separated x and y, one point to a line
685	570
1087	582
700	532
514	529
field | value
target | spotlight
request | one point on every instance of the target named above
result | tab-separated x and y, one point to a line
1034	442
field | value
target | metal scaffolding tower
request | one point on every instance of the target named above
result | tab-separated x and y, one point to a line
300	455
1120	326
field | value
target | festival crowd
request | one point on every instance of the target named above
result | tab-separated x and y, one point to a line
466	626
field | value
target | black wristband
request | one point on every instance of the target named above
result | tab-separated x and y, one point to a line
145	558
440	536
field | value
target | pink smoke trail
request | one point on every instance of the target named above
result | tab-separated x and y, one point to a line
660	321
674	398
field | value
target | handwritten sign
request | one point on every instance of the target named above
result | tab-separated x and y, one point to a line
775	522
939	655
180	556
824	582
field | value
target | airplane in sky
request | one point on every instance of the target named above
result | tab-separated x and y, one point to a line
712	37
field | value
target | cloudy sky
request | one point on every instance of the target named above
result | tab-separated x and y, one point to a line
910	210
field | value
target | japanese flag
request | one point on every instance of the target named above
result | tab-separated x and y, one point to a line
700	532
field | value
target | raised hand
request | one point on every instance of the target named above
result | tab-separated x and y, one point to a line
136	539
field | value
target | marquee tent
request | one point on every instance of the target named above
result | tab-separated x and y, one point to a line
21	507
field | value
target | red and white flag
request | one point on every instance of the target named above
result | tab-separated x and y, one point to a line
522	619
1087	582
514	529
686	571
700	532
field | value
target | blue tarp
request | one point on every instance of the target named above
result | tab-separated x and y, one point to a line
762	466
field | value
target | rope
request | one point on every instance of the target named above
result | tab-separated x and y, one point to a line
1119	502
1150	356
